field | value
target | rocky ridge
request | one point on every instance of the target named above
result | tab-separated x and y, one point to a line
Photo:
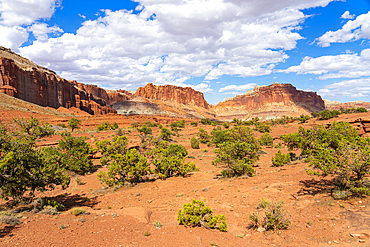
268	102
336	105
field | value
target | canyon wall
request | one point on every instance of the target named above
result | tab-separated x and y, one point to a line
186	96
336	105
268	102
23	79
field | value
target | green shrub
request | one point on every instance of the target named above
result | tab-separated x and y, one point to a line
263	128
170	161
195	124
266	140
280	159
145	130
237	121
72	153
194	143
73	123
274	218
23	167
197	214
178	124
218	136
115	126
226	125
205	121
105	126
238	153
304	118
203	136
123	164
166	134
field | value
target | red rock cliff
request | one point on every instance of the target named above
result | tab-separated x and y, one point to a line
186	96
23	79
271	101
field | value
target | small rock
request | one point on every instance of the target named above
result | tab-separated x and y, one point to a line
205	189
138	194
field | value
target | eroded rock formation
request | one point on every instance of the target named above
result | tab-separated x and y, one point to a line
336	105
23	79
268	102
186	96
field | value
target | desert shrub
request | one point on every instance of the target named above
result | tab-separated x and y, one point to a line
123	164
218	136
77	211
54	204
304	118
196	213
238	153
194	143
264	203
195	124
9	220
237	121
74	123
145	130
166	134
178	124
206	121
170	160
262	127
23	167
72	153
115	126
105	126
361	109
280	159
226	125
203	136
348	162
274	218
266	140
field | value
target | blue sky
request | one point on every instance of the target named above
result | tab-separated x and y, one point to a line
219	47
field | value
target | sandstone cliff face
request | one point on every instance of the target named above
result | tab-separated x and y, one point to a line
23	79
268	102
186	96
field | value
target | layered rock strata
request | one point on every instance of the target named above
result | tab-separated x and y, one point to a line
268	102
23	79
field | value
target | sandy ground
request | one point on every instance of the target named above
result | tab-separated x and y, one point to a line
121	217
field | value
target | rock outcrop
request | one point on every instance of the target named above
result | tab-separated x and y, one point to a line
268	102
185	96
25	80
336	105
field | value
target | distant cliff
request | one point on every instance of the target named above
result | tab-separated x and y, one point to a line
268	102
336	105
25	80
186	96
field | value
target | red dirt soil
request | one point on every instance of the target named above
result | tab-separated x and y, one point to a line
120	217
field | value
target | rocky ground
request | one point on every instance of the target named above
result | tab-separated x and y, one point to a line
125	217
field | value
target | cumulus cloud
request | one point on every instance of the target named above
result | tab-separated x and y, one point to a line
244	87
12	37
339	66
351	31
41	31
347	15
169	42
349	88
25	12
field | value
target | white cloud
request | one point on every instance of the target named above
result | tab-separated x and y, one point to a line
244	87
339	66
12	37
347	15
25	12
351	31
349	88
185	39
41	31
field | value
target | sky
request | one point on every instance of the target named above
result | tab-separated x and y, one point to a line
219	47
